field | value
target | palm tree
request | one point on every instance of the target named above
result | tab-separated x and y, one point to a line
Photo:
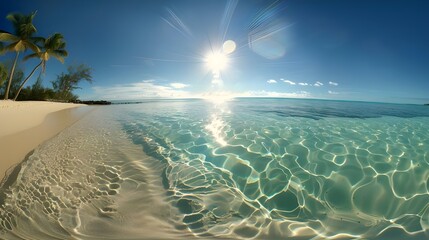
20	41
53	46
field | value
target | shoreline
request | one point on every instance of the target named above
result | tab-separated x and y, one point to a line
26	125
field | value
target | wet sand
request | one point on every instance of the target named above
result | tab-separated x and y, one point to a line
25	125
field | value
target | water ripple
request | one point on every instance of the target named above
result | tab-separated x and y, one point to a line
244	169
328	177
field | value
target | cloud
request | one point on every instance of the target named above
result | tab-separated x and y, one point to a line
179	85
289	82
151	89
260	93
271	81
143	89
263	93
332	92
333	83
303	84
318	84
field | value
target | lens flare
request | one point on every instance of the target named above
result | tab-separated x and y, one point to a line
228	47
267	35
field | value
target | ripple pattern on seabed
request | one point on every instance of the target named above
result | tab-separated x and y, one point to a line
228	172
266	176
89	182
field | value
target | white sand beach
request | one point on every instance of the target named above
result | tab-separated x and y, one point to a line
25	125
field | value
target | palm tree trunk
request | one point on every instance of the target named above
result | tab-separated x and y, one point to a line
26	79
6	94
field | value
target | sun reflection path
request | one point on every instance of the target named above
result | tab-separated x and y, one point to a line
216	129
217	126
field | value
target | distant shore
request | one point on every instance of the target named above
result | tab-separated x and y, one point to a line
25	125
93	102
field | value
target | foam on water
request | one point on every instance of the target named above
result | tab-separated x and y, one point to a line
265	169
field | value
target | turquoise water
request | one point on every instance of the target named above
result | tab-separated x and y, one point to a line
244	168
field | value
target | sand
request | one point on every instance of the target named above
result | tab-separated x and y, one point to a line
25	125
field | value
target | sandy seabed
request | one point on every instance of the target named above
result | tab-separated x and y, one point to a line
244	169
25	125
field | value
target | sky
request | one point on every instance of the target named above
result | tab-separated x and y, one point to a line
367	50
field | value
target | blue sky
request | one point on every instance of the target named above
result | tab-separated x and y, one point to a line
352	50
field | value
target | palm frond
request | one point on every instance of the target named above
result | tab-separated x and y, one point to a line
26	30
15	18
32	15
38	40
23	24
33	55
8	48
60	52
54	46
19	46
8	37
55	41
32	46
59	55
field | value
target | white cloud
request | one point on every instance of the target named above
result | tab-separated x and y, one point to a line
332	92
179	85
150	89
271	81
263	93
303	84
143	89
318	84
289	82
333	83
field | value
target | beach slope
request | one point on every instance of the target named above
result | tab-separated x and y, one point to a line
25	125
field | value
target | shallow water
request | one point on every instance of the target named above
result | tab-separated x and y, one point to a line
246	168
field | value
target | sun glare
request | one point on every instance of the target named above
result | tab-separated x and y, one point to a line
216	61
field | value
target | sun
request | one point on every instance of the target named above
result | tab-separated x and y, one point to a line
216	61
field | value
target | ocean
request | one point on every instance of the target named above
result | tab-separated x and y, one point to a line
239	169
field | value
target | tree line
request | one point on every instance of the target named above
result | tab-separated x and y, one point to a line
22	40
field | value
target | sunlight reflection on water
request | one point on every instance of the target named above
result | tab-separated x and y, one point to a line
245	168
216	128
217	125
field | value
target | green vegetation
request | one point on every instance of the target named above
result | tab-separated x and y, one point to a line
62	86
20	41
18	77
3	74
37	92
54	46
67	82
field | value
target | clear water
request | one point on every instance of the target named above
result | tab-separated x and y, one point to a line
245	168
